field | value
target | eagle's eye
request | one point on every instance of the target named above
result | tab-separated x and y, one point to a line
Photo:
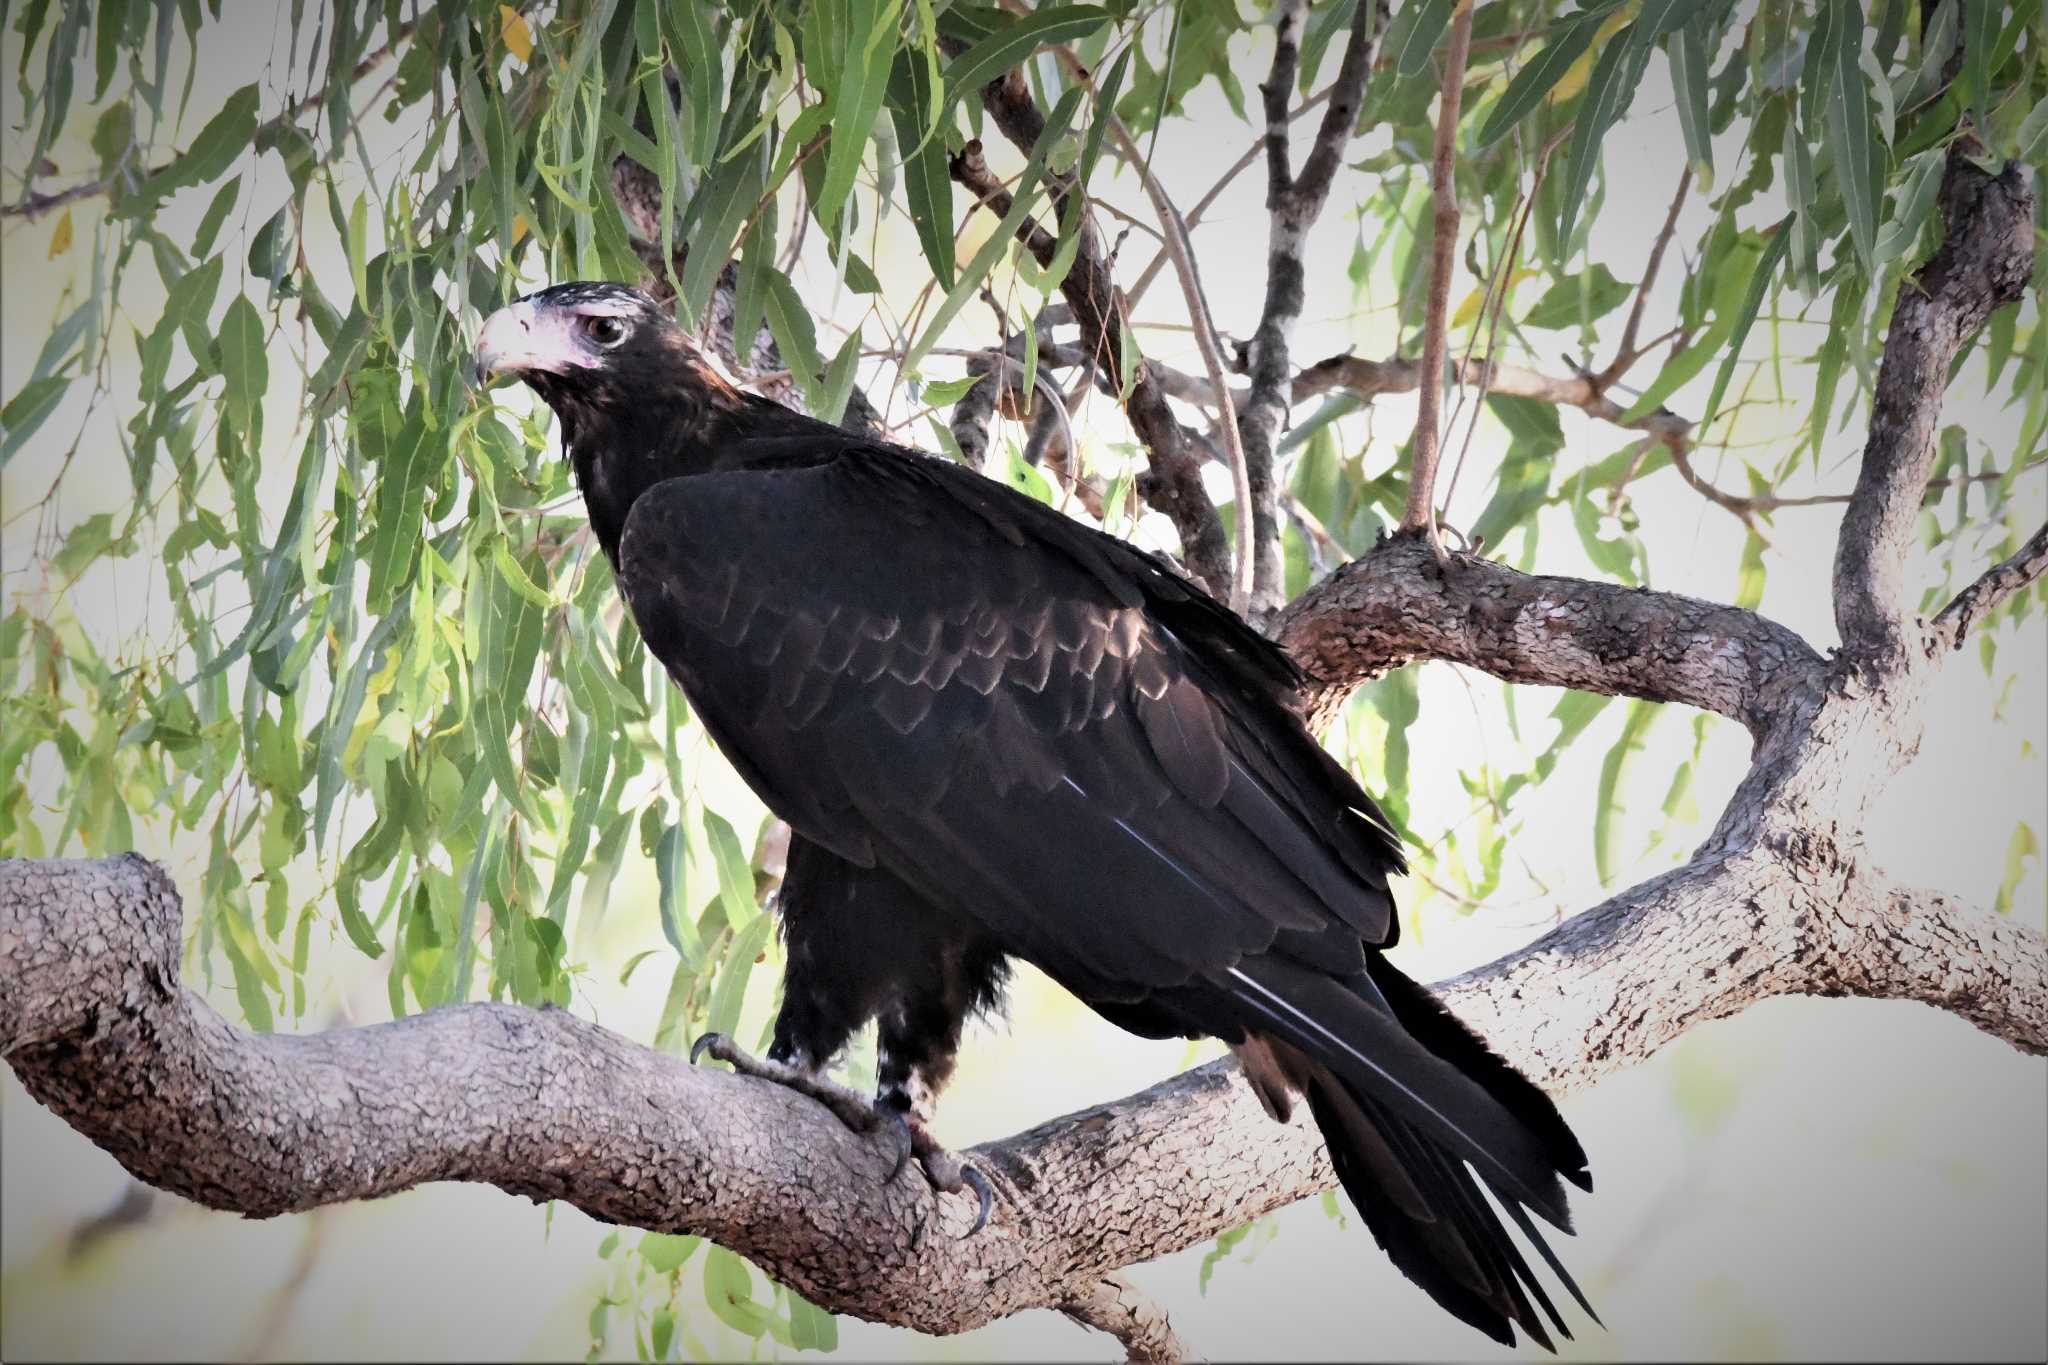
606	331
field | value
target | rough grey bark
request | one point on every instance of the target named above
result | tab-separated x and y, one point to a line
1398	603
1983	262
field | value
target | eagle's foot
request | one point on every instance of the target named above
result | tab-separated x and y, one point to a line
947	1173
889	1122
850	1107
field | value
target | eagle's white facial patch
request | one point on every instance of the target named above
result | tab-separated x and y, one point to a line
606	308
521	338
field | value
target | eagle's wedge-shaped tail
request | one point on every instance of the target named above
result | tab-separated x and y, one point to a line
1418	1115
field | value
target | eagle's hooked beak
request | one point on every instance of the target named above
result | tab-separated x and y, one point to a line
521	338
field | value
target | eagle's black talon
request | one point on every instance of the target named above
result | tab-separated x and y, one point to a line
973	1177
944	1172
704	1040
905	1138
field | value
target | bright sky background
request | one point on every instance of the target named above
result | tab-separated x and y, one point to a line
1809	1179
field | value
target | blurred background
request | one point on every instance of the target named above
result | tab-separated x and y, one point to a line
1812	1179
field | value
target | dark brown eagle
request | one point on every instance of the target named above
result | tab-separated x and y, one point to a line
998	733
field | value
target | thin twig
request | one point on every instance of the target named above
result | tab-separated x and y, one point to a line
1626	354
1212	360
1495	303
1421	510
33	206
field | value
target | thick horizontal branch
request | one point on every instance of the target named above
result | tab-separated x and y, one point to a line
1397	603
544	1104
2015	574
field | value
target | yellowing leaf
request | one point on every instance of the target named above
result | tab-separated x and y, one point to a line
518	37
60	239
1469	309
1574	80
519	228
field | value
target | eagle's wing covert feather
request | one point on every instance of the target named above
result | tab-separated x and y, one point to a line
970	691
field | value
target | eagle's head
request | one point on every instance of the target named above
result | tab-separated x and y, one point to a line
637	400
600	354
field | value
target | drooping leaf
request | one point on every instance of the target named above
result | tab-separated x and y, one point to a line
1686	49
1567	42
1635	727
998	242
927	186
1916	202
2019	850
1579	299
735	876
856	92
1749	578
1609	91
731	987
1413	36
224	138
1862	162
1760	281
1012	42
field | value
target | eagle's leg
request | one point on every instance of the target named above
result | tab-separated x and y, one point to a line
918	1040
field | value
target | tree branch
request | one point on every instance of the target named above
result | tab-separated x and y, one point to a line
1398	603
1293	204
1016	113
1984	261
1174	482
1243	572
1420	514
1927	946
544	1104
1626	353
1118	1307
1989	592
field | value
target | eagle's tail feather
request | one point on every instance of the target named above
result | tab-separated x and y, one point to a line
1406	1097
